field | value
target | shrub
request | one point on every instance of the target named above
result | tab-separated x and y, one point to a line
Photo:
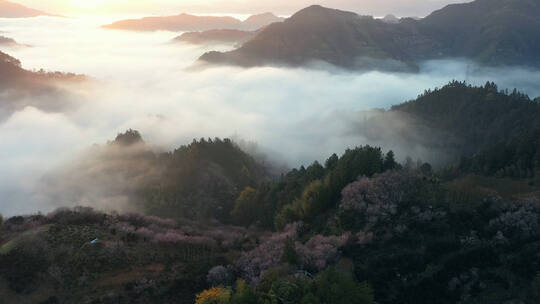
244	294
288	214
215	295
268	278
245	207
522	223
23	265
289	252
289	290
23	223
139	220
536	287
314	199
77	216
332	287
219	275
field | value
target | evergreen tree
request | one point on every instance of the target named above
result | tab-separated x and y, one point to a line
389	161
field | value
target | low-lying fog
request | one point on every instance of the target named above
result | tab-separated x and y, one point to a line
142	81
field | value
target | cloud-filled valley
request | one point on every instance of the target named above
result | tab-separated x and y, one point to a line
144	82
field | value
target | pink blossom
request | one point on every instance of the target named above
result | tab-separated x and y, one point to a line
320	251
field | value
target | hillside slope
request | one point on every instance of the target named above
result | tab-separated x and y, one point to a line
480	116
319	34
20	88
196	181
215	37
499	32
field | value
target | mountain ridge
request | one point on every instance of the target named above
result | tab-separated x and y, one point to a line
499	32
188	22
215	37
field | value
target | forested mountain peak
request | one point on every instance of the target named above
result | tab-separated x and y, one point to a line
128	138
196	181
499	32
312	12
480	115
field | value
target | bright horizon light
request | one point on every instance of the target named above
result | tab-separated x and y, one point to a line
92	5
280	7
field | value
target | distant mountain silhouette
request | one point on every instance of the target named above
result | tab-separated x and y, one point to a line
216	37
182	22
12	73
7	41
320	34
186	22
492	32
256	22
14	10
390	19
10	42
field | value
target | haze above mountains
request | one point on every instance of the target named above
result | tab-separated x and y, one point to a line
490	32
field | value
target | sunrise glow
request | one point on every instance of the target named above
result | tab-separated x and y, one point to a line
282	7
94	4
270	151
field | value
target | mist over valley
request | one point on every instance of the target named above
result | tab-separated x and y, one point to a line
193	157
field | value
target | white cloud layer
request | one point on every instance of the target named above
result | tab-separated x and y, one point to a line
143	83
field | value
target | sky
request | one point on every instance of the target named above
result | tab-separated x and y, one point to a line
282	7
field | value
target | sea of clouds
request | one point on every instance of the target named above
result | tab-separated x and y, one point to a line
144	82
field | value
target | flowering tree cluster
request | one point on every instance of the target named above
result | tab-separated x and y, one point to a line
219	275
319	251
380	196
140	220
314	255
267	255
372	201
230	237
521	221
157	230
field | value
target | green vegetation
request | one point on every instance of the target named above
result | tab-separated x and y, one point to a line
330	286
306	194
359	228
202	180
